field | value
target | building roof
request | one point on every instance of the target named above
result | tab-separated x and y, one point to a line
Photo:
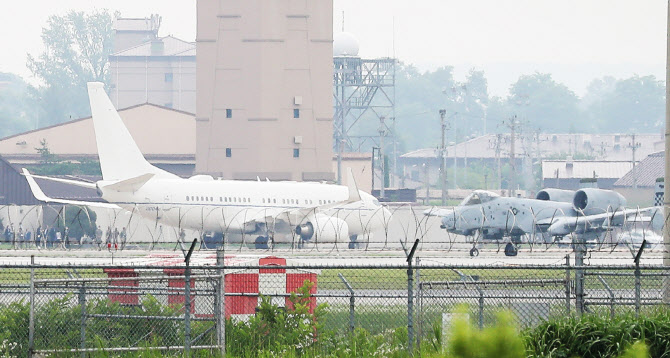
157	130
579	169
148	24
647	171
611	147
171	46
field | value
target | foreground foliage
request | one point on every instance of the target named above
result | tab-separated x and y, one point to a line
302	330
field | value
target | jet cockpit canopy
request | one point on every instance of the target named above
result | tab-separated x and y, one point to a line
478	197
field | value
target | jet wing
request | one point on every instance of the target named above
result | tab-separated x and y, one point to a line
588	223
298	215
39	194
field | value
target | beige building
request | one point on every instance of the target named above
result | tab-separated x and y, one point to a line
146	68
165	136
264	88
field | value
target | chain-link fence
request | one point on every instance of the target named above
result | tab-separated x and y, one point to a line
70	309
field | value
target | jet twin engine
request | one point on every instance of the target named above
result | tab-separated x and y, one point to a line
323	228
590	201
593	201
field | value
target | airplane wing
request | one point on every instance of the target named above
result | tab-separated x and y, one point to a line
39	194
299	214
589	223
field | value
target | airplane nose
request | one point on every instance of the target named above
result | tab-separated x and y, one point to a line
448	220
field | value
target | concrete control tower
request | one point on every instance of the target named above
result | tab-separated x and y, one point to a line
264	89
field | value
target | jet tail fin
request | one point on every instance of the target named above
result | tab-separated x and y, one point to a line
120	158
354	194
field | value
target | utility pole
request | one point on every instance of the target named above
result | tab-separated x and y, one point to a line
382	133
443	157
513	125
633	147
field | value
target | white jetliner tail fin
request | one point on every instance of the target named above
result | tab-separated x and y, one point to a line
354	195
120	158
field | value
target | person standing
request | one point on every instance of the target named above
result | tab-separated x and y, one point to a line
38	236
59	240
124	236
98	237
116	239
66	239
108	238
20	236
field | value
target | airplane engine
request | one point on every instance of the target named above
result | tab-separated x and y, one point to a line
597	201
560	195
324	228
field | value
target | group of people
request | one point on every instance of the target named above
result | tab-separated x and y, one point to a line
112	238
50	237
59	238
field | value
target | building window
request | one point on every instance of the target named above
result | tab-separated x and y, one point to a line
296	152
168	105
296	113
168	77
229	113
229	153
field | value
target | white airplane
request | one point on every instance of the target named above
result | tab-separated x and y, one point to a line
315	212
553	214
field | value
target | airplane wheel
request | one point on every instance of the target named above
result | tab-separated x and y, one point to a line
474	252
510	250
261	243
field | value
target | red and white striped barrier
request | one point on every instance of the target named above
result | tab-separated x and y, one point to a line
276	283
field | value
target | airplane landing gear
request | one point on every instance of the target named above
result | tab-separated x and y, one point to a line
474	252
353	244
261	243
511	250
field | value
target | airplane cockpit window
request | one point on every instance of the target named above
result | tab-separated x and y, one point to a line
478	197
375	202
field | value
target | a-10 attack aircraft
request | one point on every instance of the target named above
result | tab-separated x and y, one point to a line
554	213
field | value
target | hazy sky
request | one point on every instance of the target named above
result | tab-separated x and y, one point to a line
575	40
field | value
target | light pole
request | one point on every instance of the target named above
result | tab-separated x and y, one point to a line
443	157
382	133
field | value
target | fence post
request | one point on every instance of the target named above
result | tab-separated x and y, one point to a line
481	308
567	285
420	301
187	300
221	303
31	324
580	248
638	278
352	303
82	328
410	300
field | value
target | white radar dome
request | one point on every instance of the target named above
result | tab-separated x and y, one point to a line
345	44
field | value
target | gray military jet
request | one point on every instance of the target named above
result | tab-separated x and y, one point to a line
553	214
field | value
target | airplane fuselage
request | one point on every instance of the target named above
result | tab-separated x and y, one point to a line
246	206
505	216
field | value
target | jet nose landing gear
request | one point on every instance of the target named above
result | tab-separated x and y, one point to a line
474	252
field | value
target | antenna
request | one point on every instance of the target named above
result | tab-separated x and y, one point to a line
342	20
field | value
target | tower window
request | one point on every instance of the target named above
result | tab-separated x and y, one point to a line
296	113
168	77
229	113
229	153
296	152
